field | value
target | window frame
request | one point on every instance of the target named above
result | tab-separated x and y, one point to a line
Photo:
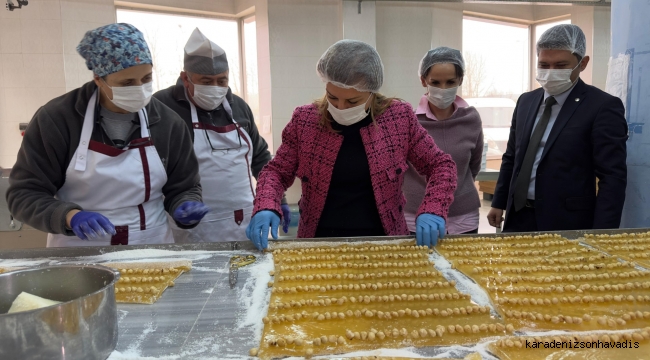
533	46
532	35
520	24
237	20
243	56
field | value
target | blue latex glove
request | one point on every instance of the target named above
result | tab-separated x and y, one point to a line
428	229
91	225
190	212
258	230
286	217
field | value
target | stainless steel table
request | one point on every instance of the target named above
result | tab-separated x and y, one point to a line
201	317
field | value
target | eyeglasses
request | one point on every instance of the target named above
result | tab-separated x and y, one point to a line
225	149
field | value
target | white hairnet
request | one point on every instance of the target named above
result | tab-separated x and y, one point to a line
441	55
352	64
563	37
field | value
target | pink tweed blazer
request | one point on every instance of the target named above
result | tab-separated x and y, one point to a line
308	152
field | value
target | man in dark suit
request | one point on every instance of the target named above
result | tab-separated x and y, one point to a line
563	137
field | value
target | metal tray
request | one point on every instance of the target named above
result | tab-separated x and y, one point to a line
201	317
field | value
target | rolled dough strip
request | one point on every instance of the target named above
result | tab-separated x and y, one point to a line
187	264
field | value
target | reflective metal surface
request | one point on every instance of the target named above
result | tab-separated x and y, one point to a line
84	326
201	317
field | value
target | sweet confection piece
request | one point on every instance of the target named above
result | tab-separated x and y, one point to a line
8	269
144	282
26	301
633	345
546	282
631	247
472	356
341	298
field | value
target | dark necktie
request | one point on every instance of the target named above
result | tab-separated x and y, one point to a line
523	180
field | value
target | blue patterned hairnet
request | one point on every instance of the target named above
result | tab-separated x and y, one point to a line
114	47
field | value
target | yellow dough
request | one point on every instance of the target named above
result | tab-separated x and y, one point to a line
633	345
342	298
144	282
632	247
472	356
26	301
548	282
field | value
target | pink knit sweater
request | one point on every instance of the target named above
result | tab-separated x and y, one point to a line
308	151
461	136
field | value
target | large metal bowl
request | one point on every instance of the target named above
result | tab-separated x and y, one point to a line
84	326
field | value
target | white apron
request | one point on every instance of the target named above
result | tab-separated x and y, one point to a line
226	180
123	185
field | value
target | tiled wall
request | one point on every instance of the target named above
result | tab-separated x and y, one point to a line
77	17
37	64
403	37
299	33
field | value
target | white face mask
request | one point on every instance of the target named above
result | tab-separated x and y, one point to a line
208	97
441	98
348	116
132	98
555	81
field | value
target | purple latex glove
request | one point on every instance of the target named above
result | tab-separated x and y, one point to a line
91	225
286	217
190	212
258	229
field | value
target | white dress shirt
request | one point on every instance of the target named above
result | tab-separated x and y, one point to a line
555	110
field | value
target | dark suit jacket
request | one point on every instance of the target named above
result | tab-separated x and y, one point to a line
588	141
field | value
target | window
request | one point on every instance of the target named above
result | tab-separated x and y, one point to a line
496	56
166	35
497	71
250	66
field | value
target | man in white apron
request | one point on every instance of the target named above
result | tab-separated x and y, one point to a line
226	141
95	167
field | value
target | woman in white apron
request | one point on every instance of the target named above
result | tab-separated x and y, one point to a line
100	165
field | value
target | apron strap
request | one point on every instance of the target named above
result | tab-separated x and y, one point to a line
144	123
87	130
226	106
86	133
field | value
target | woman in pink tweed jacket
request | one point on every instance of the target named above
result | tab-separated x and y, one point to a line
312	140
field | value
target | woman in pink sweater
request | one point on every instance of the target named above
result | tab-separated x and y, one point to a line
350	151
457	130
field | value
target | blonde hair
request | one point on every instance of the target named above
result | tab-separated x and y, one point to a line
379	104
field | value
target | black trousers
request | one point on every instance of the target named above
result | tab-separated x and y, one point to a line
521	221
